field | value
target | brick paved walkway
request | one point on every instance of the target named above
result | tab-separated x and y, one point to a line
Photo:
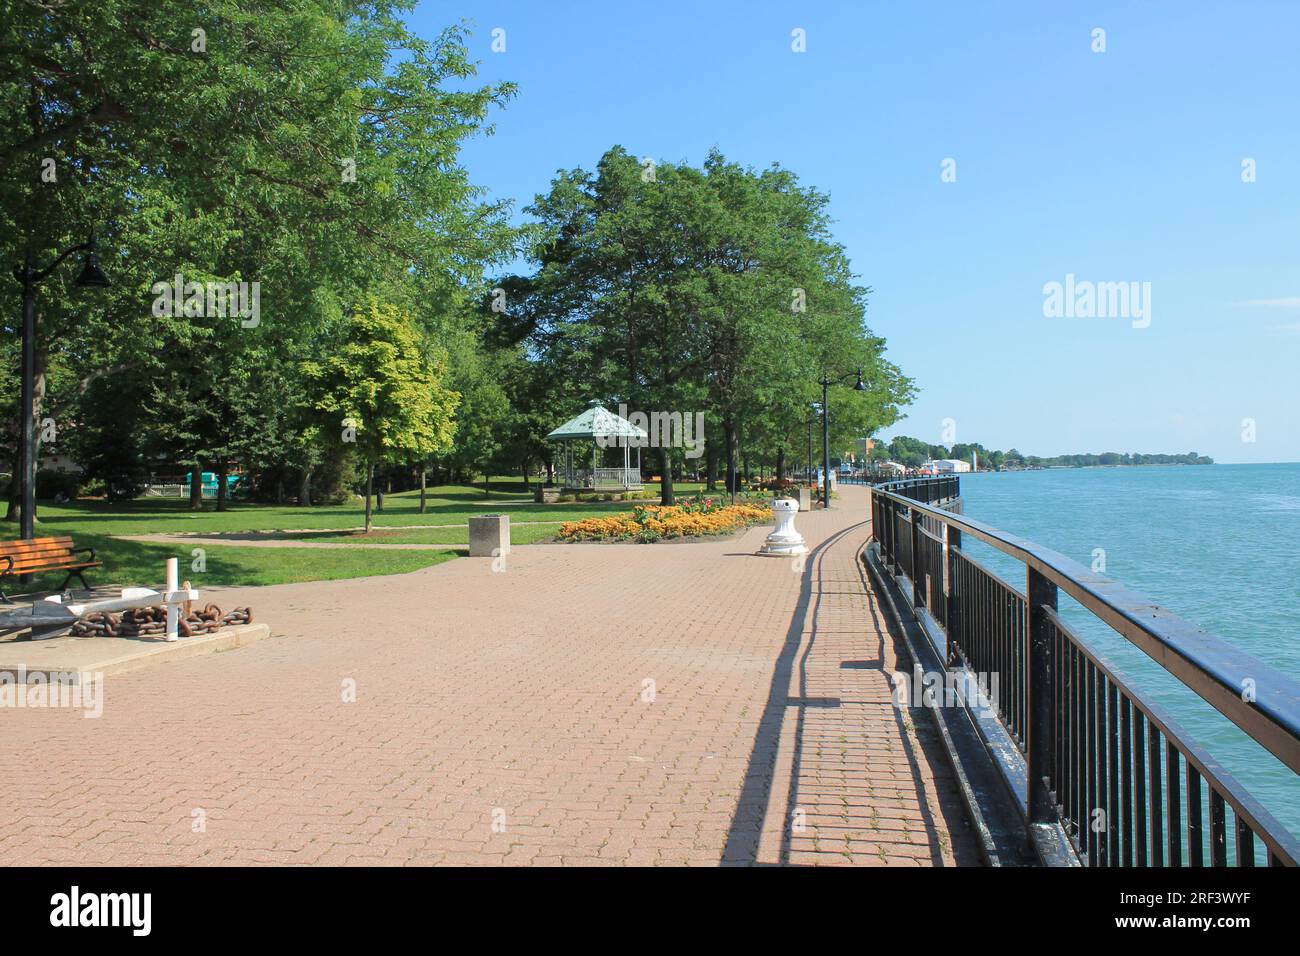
620	704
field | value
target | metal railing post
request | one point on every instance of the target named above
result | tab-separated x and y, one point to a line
952	610
914	519
1040	595
894	561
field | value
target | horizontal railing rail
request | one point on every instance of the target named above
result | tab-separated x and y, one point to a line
1122	778
601	478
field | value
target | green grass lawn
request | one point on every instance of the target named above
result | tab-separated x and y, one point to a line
519	534
144	563
95	523
450	504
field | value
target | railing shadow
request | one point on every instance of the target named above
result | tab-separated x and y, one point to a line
923	725
744	837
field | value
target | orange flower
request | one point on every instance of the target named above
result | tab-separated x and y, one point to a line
666	522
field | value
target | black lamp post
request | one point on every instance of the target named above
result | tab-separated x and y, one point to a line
90	278
811	418
826	431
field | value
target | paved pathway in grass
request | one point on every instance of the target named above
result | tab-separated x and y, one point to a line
587	704
250	542
301	538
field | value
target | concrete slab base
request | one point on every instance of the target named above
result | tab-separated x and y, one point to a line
115	655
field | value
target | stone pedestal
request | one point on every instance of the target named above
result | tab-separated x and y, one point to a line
546	496
784	539
489	536
804	497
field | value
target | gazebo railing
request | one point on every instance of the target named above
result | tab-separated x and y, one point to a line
603	478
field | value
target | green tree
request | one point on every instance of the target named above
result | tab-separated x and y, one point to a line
679	288
384	388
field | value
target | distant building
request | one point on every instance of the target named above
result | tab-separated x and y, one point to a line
946	466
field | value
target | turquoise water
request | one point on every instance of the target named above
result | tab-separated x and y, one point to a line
1219	545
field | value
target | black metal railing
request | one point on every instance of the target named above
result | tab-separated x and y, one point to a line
1120	778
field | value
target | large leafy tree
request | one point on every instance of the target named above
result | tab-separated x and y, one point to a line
382	388
675	287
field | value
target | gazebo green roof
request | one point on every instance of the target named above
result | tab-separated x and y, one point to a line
597	422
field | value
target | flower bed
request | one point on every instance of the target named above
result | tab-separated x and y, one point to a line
695	518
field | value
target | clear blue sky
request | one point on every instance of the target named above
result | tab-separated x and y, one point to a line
1117	166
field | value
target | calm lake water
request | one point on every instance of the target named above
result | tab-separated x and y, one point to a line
1219	545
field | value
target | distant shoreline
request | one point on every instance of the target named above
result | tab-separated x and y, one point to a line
1150	464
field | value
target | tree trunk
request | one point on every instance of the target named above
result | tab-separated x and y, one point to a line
780	464
39	381
666	470
14	511
523	469
370	484
424	480
711	467
222	466
487	488
733	451
196	485
304	488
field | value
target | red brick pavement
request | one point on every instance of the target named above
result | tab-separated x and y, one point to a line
590	704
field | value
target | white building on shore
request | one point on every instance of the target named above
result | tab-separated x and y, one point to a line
946	466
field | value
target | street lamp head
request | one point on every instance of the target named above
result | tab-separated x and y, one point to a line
861	386
92	277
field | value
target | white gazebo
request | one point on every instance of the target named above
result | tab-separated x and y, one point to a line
604	430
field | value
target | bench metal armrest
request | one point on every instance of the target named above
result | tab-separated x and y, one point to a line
90	551
10	565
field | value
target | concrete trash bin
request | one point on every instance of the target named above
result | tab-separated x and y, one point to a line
489	536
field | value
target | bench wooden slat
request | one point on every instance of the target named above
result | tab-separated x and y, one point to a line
17	553
61	541
29	567
27	555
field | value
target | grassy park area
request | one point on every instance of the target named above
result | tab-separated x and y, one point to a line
445	505
109	527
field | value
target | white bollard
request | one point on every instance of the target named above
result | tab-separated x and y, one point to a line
784	539
173	608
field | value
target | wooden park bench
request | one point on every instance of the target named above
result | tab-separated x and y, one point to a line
45	554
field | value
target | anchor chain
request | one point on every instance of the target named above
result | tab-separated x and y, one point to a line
149	621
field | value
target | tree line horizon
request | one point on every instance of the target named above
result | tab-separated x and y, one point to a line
913	452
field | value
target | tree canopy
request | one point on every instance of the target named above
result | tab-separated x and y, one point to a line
307	159
671	287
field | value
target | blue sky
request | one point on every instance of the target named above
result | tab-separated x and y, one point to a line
1122	166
